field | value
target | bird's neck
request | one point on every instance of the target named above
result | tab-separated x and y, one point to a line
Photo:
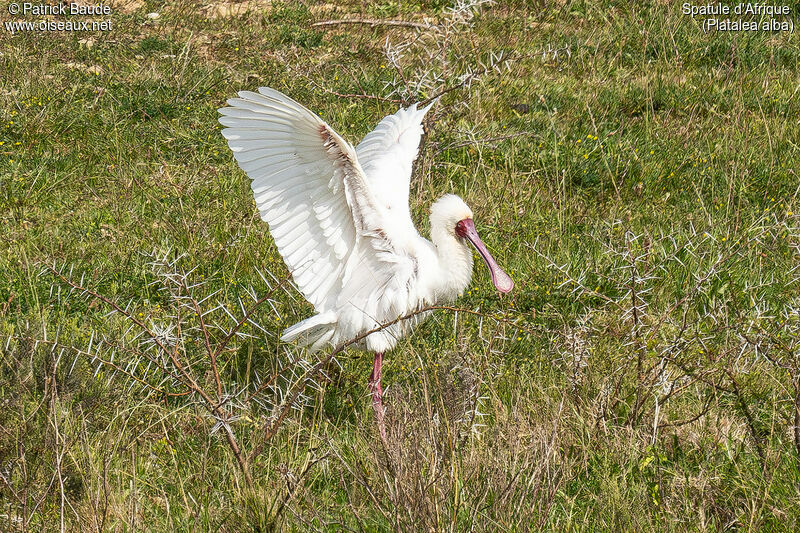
455	263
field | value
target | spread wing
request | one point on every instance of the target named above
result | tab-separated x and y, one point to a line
387	154
311	190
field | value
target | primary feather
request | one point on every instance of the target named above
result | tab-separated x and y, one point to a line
387	154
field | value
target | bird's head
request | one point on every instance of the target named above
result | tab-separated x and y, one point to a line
454	216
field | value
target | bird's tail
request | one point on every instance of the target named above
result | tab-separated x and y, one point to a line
313	332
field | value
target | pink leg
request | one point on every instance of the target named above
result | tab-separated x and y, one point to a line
377	392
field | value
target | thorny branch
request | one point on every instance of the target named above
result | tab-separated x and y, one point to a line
185	378
180	368
700	340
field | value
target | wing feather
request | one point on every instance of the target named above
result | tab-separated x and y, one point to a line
387	154
309	186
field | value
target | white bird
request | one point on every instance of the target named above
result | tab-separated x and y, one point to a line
340	219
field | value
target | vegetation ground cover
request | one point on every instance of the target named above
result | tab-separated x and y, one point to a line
636	176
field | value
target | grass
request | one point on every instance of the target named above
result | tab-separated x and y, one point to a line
636	176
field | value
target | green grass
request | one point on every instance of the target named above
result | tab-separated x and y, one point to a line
636	177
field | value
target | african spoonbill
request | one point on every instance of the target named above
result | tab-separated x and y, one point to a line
340	219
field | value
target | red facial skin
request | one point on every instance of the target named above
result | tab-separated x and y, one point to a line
466	230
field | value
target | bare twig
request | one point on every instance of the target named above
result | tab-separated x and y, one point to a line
751	425
374	23
212	353
796	384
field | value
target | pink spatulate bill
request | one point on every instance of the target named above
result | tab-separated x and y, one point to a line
501	280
